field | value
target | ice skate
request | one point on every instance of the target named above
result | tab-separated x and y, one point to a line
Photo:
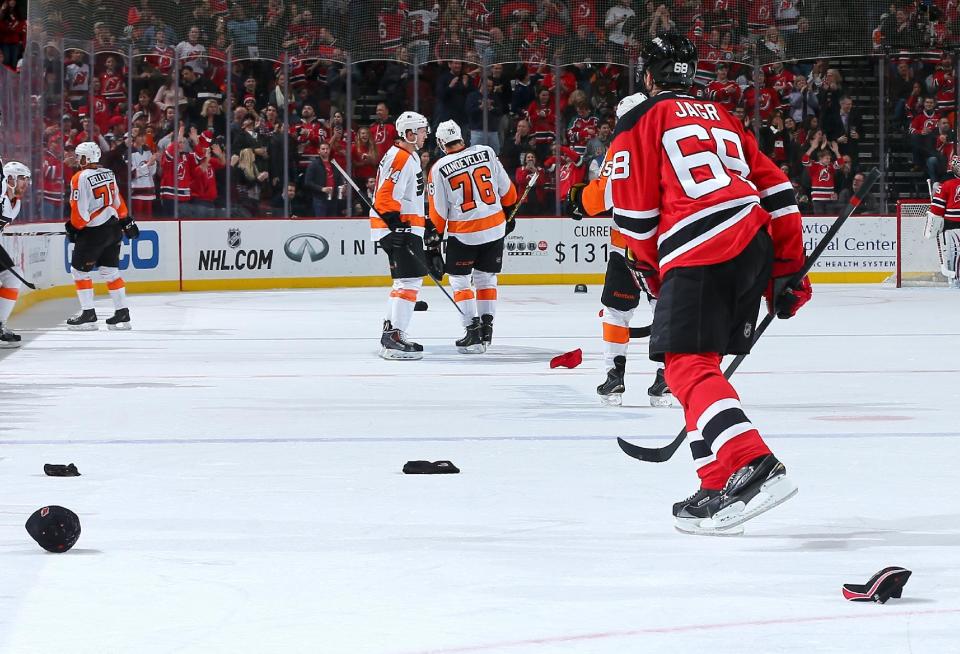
611	391
753	489
659	392
85	321
8	340
472	341
120	321
394	345
486	329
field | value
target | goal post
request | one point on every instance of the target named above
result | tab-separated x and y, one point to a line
918	258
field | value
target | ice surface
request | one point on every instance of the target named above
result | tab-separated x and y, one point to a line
241	487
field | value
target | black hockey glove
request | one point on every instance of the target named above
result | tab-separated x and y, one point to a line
511	222
432	241
129	227
71	231
392	218
575	201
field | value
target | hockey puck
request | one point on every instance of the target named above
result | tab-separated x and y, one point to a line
420	306
580	288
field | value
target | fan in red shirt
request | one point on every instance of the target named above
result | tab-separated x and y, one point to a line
543	121
382	131
769	99
714	224
725	92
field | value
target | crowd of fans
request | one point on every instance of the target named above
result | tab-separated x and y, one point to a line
190	132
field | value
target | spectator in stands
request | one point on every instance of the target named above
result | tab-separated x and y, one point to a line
597	146
543	120
923	135
364	156
801	43
944	147
324	183
451	91
658	23
143	171
845	127
206	159
175	179
537	200
368	188
197	90
822	168
617	16
191	53
211	118
299	203
899	88
830	92
867	206
522	92
802	101
248	181
492	106
899	32
517	145
382	130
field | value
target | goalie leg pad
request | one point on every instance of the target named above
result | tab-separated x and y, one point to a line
951	244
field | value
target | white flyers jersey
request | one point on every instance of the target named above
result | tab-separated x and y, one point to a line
467	191
95	198
400	188
9	209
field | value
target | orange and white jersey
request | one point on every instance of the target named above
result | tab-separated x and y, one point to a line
400	188
9	207
597	197
468	189
95	198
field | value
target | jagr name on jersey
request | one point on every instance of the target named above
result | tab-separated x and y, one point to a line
696	109
463	162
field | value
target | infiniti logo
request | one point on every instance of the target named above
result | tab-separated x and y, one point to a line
316	247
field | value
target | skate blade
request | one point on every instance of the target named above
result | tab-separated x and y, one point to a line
472	349
613	399
772	493
705	528
7	345
394	355
120	327
86	327
661	400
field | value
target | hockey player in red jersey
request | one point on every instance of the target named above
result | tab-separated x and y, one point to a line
943	217
700	205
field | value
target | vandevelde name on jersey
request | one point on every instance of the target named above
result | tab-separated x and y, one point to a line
456	165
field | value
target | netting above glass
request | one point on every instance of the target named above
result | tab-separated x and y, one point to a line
488	31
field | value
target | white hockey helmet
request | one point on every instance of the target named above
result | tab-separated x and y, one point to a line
15	169
411	120
629	103
448	132
88	150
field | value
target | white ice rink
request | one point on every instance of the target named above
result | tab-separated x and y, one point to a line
241	487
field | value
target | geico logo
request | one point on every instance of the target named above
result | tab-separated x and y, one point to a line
140	254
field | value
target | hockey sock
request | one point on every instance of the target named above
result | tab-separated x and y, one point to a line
8	298
616	334
84	288
486	291
722	438
403	297
464	296
116	286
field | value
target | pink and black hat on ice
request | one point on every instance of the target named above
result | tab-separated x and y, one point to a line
880	587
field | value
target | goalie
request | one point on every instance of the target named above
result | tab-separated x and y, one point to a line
943	217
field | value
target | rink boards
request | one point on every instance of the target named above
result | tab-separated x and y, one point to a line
238	254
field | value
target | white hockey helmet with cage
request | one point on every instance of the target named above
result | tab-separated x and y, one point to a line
412	121
16	170
955	164
90	151
448	132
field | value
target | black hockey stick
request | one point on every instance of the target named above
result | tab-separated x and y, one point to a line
364	199
35	234
661	454
640	332
6	263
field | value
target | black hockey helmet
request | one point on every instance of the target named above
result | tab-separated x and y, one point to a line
671	59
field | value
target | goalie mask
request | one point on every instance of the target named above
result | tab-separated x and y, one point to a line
955	165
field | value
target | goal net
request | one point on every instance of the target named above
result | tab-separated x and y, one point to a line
918	258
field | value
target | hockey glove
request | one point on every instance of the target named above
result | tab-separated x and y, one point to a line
431	248
392	218
71	231
785	300
575	201
130	228
647	278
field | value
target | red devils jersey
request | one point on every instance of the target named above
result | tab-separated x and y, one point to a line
946	203
769	100
584	13
782	82
168	189
823	179
543	123
759	16
725	94
691	188
925	122
391	26
581	129
52	178
112	86
161	59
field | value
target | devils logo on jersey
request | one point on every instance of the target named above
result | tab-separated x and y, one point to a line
825	175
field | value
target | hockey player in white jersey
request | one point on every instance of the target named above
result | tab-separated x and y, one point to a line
397	223
470	196
97	224
13	188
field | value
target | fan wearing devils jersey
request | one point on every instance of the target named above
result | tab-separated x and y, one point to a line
823	173
78	78
699	204
382	131
943	217
725	92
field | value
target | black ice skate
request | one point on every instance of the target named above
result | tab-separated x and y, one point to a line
85	321
472	341
659	392
8	339
753	489
120	321
394	344
611	391
486	328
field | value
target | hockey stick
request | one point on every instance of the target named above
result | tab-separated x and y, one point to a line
661	454
36	234
640	332
6	261
370	206
523	198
